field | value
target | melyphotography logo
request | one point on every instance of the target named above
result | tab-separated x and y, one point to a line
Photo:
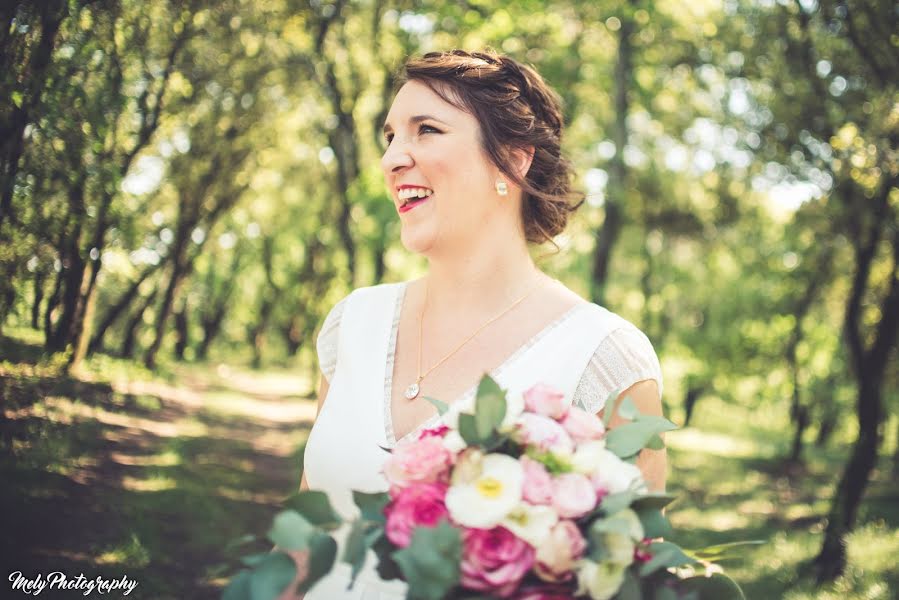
57	580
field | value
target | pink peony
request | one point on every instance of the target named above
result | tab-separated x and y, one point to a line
547	401
419	461
418	505
494	561
583	426
538	483
573	495
543	433
557	556
438	431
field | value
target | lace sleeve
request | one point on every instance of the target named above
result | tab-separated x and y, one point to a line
622	359
326	343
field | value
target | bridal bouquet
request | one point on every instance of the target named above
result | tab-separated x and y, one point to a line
524	497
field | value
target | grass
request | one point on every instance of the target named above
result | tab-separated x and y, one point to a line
125	472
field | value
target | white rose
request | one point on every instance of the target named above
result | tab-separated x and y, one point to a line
600	580
613	475
532	523
484	497
588	456
453	441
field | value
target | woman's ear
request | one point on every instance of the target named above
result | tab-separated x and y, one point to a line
521	161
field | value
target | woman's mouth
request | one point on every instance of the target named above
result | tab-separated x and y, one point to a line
412	197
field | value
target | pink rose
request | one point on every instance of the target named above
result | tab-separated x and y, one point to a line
538	483
583	426
557	556
543	433
438	431
546	401
573	495
418	505
418	461
494	561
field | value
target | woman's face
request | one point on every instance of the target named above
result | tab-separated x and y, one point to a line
434	151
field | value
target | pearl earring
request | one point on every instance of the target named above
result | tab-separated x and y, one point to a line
502	188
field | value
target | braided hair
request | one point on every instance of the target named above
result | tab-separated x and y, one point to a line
516	111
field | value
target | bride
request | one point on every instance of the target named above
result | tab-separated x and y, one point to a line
474	167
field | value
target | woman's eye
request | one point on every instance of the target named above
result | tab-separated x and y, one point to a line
388	138
427	129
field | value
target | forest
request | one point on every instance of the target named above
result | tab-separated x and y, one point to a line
187	187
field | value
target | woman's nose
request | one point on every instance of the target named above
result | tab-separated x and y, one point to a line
396	157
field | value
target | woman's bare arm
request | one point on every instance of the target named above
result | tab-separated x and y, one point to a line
653	463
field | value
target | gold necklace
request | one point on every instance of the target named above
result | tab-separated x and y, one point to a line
415	388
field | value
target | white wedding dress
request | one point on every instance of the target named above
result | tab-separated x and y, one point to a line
588	353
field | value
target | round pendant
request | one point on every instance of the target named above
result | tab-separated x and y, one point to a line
412	391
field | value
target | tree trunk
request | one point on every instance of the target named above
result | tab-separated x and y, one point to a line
12	131
40	278
116	310
182	339
801	421
73	279
211	325
179	270
129	338
52	303
612	222
831	561
692	396
869	363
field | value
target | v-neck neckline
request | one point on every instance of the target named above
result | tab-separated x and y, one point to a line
495	373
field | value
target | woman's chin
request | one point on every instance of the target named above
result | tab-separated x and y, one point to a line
419	242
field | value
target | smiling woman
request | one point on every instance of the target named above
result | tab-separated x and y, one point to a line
473	164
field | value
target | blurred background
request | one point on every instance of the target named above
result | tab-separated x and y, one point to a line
189	186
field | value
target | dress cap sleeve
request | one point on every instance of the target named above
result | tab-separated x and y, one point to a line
624	357
326	343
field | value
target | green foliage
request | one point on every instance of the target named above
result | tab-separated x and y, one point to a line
430	564
628	439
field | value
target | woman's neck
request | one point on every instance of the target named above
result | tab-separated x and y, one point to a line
482	280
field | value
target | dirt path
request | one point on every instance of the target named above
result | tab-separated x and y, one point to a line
146	479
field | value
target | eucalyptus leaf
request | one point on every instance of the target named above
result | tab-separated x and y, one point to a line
468	429
615	502
609	404
627	409
716	587
322	554
655	443
655	525
371	505
630	588
663	592
628	439
316	508
357	544
664	555
430	564
271	576
442	407
652	501
489	408
722	551
239	587
254	559
291	531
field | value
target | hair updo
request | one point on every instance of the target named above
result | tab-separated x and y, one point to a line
516	110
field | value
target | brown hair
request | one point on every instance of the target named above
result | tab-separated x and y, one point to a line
516	110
